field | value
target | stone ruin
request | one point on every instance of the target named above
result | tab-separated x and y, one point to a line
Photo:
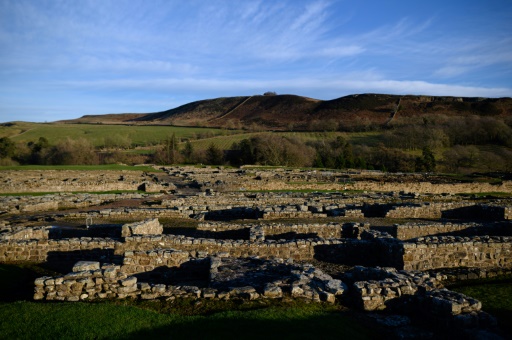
266	245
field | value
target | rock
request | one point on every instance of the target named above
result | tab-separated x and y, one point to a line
208	293
272	291
336	287
128	282
86	265
327	297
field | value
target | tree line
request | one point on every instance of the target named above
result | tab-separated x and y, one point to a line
434	143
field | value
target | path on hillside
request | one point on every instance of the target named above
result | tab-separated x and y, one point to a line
233	109
395	111
19	134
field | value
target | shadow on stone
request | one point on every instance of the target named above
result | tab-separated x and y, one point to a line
63	261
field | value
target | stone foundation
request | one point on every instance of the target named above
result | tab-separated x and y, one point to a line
448	252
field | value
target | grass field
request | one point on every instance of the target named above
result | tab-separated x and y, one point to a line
98	134
109	167
182	319
201	138
225	142
496	298
116	321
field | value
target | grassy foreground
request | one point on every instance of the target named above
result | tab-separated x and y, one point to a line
183	319
31	320
496	298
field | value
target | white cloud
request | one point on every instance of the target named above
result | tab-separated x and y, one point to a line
343	85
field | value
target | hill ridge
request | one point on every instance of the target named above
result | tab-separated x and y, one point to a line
292	112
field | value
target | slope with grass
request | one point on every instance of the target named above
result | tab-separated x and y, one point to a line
99	134
283	112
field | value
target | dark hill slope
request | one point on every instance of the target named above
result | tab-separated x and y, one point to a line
113	118
280	112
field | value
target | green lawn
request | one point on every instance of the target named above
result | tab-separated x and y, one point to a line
495	295
20	318
97	134
109	167
117	321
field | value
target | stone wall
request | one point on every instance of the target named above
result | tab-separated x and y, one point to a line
448	252
326	231
413	230
28	233
59	252
145	261
374	288
74	180
425	210
60	201
90	281
423	254
419	294
297	250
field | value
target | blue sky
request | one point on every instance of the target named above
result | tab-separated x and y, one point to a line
64	59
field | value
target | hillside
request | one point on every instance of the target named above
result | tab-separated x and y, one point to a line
291	112
113	118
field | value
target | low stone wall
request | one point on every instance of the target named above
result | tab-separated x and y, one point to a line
65	251
451	275
359	246
90	281
297	250
25	233
375	287
74	180
448	252
413	230
145	261
429	210
321	230
326	231
17	204
123	214
386	288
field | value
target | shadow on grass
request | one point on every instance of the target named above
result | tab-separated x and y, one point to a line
110	320
17	280
260	325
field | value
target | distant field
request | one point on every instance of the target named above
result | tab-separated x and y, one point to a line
357	138
109	167
97	134
201	138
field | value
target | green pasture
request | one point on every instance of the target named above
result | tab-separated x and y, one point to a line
98	134
201	138
20	318
495	295
117	321
226	141
107	167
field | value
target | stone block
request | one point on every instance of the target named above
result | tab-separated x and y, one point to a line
128	282
86	265
272	291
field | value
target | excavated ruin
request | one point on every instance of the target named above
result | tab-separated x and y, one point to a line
205	233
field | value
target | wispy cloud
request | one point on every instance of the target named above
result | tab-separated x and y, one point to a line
326	88
133	50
